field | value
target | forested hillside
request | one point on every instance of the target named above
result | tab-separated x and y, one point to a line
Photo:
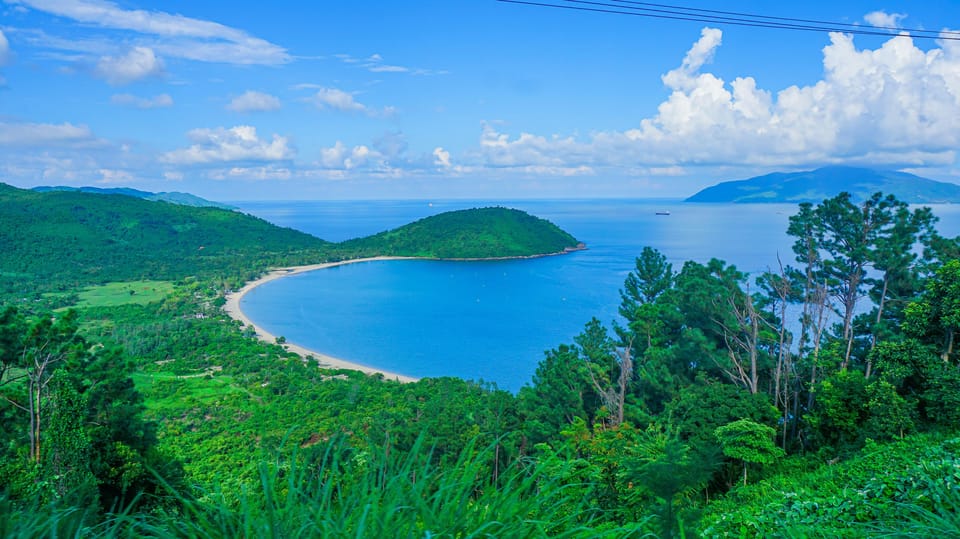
60	241
819	400
63	240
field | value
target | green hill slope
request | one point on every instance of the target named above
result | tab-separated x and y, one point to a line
474	233
67	239
905	488
827	182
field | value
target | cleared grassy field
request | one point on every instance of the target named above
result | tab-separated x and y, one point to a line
124	293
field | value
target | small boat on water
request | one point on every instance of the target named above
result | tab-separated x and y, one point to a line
663	212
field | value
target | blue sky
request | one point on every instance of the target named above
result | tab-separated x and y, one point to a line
464	99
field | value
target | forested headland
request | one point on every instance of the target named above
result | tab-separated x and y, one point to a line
476	233
818	399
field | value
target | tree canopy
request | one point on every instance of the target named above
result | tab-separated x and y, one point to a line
704	408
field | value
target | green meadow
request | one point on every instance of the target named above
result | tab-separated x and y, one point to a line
124	293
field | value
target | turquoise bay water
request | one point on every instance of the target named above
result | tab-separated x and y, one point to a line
492	321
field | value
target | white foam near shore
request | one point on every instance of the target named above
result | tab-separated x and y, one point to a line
232	308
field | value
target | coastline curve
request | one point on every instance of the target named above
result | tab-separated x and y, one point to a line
233	310
232	307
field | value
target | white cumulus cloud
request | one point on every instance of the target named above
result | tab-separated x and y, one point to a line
882	19
251	101
528	150
441	157
129	100
337	99
340	157
893	105
386	156
239	143
139	63
701	53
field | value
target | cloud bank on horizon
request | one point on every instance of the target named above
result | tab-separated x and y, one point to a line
212	104
896	105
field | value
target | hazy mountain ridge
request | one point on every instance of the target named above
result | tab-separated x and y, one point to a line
827	182
174	197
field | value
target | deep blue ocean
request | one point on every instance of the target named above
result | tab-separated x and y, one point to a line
492	321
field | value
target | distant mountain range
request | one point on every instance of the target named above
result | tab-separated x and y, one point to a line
183	199
817	185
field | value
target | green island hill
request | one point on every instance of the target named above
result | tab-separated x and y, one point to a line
469	234
131	405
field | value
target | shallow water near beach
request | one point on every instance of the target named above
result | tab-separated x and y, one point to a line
493	320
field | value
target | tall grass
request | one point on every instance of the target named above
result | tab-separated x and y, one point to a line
935	514
348	493
41	519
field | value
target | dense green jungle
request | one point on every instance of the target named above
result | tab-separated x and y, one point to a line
819	400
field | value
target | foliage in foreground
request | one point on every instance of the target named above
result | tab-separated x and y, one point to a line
345	492
907	488
629	426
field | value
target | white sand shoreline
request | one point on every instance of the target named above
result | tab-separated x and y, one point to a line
232	308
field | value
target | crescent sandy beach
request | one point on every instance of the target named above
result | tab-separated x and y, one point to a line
232	308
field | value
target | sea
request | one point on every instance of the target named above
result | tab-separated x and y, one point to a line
492	321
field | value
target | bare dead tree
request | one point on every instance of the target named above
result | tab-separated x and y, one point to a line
742	340
613	395
41	362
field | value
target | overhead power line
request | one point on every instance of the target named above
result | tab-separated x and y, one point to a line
674	12
935	33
